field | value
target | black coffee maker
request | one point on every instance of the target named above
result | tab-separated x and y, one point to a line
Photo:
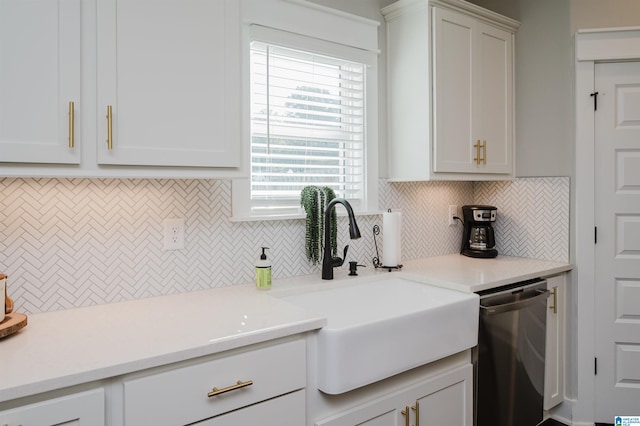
478	239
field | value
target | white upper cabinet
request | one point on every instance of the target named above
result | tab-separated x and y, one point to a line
163	70
168	70
39	81
473	95
451	98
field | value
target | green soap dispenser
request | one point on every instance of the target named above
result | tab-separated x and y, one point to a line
263	272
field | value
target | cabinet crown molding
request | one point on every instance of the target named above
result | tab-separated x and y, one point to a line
485	15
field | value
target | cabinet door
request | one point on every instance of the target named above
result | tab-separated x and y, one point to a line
445	399
169	70
554	358
493	99
82	409
453	84
384	411
287	410
39	79
449	401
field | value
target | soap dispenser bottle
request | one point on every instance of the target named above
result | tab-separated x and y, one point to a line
263	272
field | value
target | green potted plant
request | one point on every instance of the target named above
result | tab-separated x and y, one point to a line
314	200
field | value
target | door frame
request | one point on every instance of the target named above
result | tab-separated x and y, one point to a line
591	47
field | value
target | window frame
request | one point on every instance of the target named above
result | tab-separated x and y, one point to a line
241	188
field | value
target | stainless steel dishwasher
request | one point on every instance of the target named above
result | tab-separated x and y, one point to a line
509	358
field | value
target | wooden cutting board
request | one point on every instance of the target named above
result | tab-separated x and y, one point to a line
12	323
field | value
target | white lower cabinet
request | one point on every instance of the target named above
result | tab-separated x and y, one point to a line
81	409
554	357
223	390
444	399
287	410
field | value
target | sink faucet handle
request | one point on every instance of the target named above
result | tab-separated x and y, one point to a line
344	254
339	261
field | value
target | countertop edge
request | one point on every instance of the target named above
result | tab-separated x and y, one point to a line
218	347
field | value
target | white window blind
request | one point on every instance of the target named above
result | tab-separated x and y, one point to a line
307	127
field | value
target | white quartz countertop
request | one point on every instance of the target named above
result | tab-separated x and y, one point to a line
467	274
74	346
70	347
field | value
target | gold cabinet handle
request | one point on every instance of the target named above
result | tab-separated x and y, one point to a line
109	127
416	409
477	147
239	385
484	152
554	308
72	142
405	413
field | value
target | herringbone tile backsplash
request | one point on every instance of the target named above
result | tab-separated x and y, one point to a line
76	242
533	216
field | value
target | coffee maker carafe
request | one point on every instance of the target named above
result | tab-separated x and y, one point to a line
478	239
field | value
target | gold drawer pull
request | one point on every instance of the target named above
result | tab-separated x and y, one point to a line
109	127
405	413
239	385
554	308
477	147
480	146
417	411
72	142
484	152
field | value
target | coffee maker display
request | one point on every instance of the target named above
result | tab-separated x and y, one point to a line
478	239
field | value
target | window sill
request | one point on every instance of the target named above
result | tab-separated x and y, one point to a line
291	216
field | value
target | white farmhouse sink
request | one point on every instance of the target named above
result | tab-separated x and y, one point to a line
382	327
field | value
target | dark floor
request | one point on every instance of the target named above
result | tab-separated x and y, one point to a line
552	422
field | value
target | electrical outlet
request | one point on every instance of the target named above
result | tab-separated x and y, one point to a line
174	234
453	212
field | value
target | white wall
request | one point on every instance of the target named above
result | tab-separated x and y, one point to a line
544	90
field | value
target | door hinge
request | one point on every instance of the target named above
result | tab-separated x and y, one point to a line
594	95
595	235
595	366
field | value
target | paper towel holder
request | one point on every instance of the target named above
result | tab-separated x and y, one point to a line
376	260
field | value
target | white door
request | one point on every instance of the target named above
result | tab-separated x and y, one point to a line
39	81
617	217
169	70
493	99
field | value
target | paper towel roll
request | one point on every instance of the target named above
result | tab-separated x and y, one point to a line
391	238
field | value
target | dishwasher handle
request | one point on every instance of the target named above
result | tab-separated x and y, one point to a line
512	306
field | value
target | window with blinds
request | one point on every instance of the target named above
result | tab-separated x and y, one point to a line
307	127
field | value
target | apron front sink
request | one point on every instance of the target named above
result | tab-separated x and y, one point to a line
381	327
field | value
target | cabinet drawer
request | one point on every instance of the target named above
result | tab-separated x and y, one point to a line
180	396
84	408
287	410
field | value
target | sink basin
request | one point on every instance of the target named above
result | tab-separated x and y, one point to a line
381	327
